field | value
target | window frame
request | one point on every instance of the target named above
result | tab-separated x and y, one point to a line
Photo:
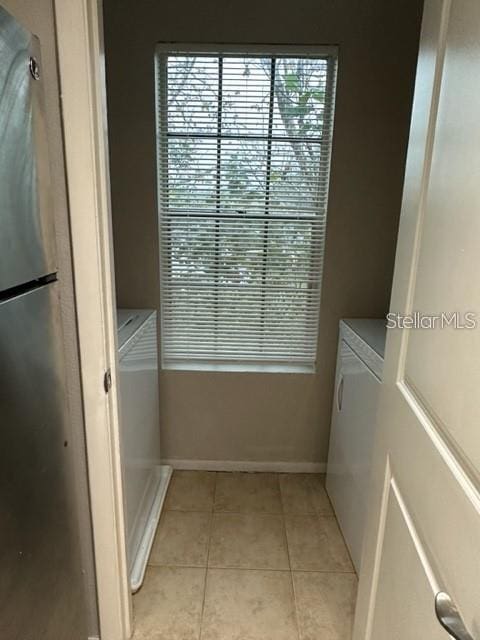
165	49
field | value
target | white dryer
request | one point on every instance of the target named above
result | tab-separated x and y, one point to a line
145	479
361	349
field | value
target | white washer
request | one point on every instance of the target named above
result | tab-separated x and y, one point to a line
145	479
358	377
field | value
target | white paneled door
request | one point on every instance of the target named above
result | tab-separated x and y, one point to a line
423	532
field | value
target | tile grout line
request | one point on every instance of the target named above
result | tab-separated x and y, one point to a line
212	513
186	511
235	568
306	514
295	608
239	513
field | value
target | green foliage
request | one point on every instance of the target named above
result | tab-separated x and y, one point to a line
292	82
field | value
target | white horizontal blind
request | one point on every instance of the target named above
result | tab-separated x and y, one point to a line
243	165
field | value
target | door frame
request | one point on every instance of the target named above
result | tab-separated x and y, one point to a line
81	59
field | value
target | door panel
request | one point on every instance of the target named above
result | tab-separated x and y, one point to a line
42	583
446	278
427	424
403	614
442	503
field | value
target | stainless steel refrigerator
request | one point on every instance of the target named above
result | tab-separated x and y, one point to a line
43	585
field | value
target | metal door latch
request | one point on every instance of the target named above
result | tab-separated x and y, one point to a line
107	380
34	68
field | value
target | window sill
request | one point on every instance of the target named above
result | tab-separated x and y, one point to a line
239	367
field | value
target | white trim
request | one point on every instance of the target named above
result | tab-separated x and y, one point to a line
279	50
80	53
247	465
189	345
162	474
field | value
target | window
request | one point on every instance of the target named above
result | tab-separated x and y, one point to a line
244	147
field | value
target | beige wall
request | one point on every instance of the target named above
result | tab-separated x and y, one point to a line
262	417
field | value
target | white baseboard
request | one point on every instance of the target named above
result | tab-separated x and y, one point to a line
246	465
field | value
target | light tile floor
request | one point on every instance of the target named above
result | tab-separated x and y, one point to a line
246	556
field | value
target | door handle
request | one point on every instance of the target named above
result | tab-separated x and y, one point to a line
449	617
340	393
